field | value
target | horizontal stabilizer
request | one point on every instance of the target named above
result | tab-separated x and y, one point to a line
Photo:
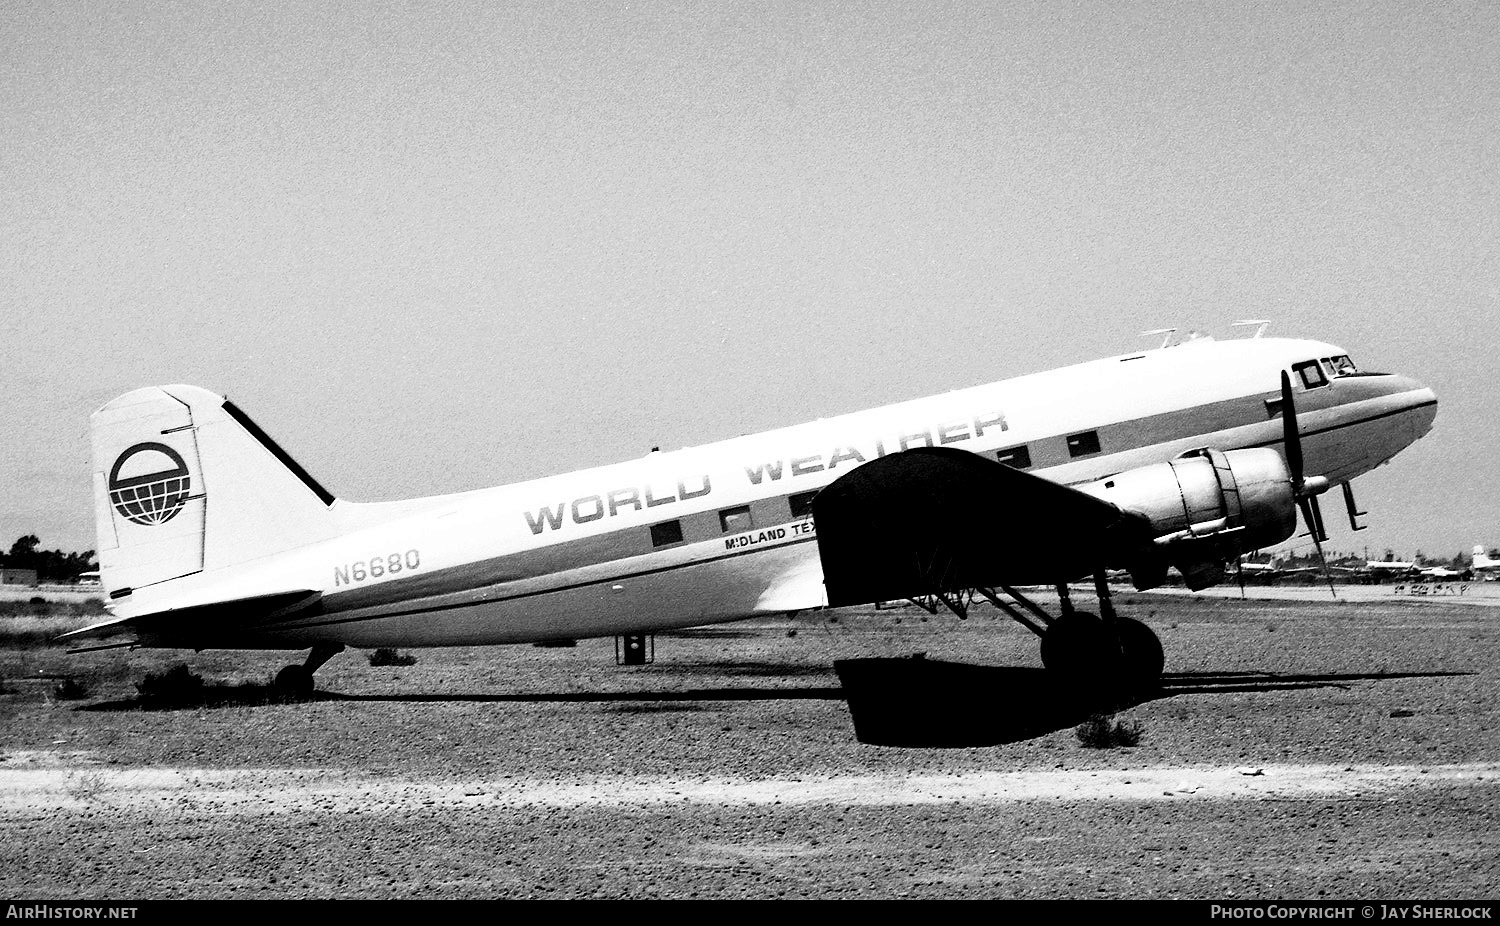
203	622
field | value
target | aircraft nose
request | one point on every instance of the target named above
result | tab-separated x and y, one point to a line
1427	414
1419	401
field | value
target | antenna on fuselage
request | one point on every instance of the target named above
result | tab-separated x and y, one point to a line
1263	324
1166	341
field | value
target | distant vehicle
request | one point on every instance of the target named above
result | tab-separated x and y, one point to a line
89	578
212	536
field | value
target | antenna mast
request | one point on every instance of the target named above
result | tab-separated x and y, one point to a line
1168	332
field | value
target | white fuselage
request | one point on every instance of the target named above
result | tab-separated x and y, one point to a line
596	552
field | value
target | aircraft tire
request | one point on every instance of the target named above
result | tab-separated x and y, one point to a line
1077	648
295	681
1143	659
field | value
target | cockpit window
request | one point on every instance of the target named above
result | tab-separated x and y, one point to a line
1311	373
1339	366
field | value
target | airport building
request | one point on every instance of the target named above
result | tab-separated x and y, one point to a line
11	576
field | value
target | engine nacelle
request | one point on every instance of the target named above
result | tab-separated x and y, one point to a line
1205	507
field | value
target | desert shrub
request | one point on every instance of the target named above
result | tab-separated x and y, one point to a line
1102	731
70	689
387	656
86	787
178	684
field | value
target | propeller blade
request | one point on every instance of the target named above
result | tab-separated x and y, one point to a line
1317	514
1291	435
1307	495
1313	514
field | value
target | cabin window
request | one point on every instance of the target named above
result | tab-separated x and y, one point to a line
802	504
1343	366
1311	373
1017	457
665	533
735	519
1081	445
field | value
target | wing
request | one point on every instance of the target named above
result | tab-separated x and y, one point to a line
940	519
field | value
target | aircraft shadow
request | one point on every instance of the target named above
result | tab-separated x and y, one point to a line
210	695
916	702
629	701
902	702
616	697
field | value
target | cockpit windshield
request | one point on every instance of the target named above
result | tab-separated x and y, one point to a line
1339	366
1324	370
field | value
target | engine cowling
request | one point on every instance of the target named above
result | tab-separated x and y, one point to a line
1203	508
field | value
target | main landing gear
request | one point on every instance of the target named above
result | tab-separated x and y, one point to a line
1080	646
297	681
1104	652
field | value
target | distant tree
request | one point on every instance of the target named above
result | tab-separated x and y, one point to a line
23	552
50	565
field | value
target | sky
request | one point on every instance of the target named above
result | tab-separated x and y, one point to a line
440	246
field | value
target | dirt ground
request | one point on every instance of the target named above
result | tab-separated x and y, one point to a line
1297	749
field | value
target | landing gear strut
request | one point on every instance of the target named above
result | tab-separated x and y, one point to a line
1099	651
297	681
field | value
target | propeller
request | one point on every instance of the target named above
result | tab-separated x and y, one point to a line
1306	489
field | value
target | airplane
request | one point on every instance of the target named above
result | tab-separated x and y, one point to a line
1268	573
210	535
1482	566
1390	568
1258	569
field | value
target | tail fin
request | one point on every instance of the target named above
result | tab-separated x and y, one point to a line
184	483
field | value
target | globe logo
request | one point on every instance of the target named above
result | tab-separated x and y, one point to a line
149	484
